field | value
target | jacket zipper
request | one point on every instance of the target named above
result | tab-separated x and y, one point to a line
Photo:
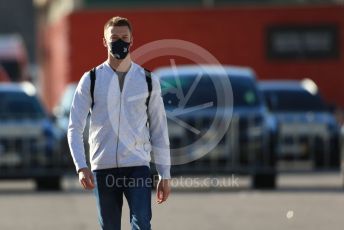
120	110
119	122
119	117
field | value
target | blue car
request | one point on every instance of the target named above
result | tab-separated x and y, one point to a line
61	113
28	137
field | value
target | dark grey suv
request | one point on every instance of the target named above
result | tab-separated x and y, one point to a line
200	100
307	130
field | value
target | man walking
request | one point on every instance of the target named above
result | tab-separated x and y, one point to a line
127	122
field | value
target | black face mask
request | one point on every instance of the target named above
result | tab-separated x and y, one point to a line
119	48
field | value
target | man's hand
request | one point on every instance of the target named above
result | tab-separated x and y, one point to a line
86	178
163	190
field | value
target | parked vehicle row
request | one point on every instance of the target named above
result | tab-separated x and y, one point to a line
220	120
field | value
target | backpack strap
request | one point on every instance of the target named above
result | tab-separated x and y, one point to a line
150	88
93	82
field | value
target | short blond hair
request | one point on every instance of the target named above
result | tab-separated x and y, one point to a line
118	21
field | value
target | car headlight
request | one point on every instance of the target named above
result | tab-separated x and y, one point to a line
255	131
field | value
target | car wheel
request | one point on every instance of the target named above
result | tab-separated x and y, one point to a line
335	154
155	180
48	183
321	161
264	181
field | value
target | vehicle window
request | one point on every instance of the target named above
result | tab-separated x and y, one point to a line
244	91
188	91
294	100
19	105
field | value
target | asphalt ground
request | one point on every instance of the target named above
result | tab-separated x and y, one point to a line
301	201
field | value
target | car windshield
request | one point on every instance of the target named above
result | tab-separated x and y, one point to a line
293	100
176	89
14	105
244	92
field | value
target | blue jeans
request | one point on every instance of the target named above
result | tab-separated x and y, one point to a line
110	185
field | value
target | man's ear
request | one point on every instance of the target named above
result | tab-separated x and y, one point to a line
131	41
104	42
